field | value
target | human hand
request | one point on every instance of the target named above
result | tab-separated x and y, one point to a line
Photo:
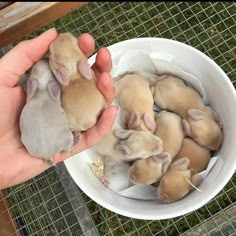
16	164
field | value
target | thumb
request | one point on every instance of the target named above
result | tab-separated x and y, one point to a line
21	58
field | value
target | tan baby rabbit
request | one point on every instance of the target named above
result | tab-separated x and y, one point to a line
173	185
149	170
200	127
81	99
136	100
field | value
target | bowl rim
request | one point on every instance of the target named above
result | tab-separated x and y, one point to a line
190	208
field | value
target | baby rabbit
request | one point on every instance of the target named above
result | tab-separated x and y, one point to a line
43	122
171	93
149	170
173	185
122	145
200	127
128	145
136	100
82	101
169	129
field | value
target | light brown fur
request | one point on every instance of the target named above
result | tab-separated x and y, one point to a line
128	145
135	98
149	170
81	99
173	185
174	95
122	145
203	130
171	93
170	130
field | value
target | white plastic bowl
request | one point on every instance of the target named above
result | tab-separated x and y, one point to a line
222	97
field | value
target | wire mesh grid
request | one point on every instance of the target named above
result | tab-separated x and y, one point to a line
51	203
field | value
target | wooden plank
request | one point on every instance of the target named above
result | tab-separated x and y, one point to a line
4	4
8	225
22	18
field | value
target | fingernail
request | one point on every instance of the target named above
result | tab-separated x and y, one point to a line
51	30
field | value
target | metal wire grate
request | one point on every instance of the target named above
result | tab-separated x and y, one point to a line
51	203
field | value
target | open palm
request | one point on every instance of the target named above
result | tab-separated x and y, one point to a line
16	164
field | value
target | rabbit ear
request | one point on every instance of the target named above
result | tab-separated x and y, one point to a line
123	149
165	158
59	71
134	120
62	75
196	114
122	133
84	69
31	87
54	90
181	164
149	122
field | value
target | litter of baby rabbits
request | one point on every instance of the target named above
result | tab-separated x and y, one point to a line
177	112
164	141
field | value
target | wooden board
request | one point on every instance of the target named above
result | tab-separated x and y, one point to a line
22	18
8	226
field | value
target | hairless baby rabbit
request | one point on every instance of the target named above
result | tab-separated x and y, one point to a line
191	157
136	100
81	99
43	122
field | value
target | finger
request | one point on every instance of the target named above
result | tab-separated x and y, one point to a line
93	135
17	61
103	62
105	86
103	127
86	44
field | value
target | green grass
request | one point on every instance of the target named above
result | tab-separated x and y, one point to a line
208	27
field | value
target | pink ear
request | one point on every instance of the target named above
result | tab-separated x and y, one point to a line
166	159
149	122
181	164
134	120
62	75
54	90
123	149
85	69
196	114
31	88
122	133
